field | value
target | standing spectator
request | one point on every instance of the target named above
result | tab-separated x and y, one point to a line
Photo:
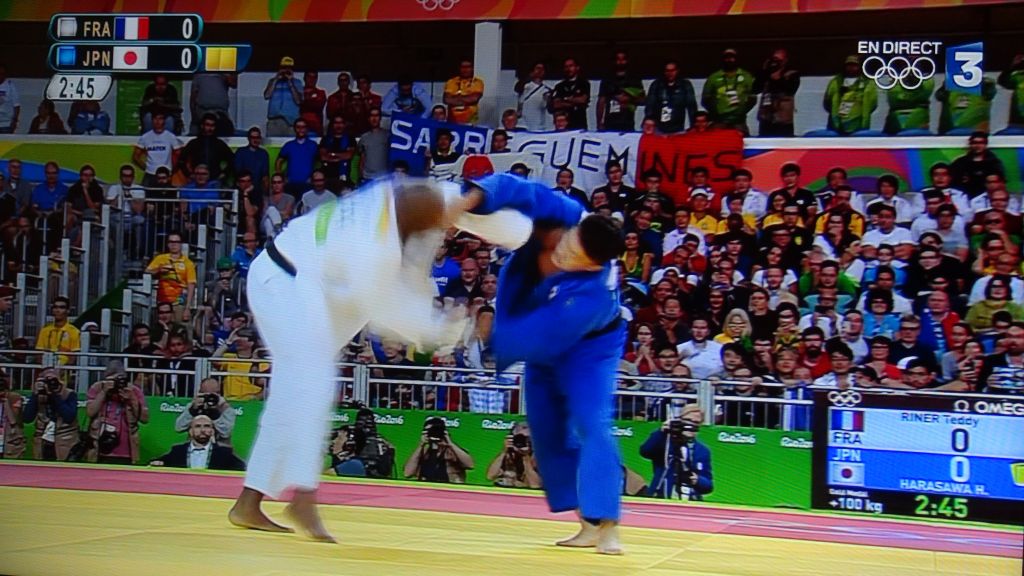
141	345
572	96
406	97
208	149
971	169
51	192
908	109
118	195
339	100
86	117
729	94
20	187
317	195
254	158
963	112
157	148
462	95
178	364
336	150
563	185
161	96
850	99
176	279
670	99
793	193
777	83
1012	79
53	408
373	149
115	408
59	335
283	203
370	99
211	95
86	196
299	155
888	187
620	196
314	98
10	104
284	95
532	100
618	98
47	121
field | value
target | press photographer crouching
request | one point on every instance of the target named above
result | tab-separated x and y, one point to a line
360	450
201	452
54	408
516	467
209	402
682	465
438	459
115	407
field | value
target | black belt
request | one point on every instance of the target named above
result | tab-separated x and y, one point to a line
279	258
610	327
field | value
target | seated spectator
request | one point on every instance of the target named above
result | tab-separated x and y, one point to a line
1005	265
879	348
443	152
642	355
824	314
885	280
968	368
245	253
1003	373
438	458
201	452
563	186
86	117
702	356
812	356
879	319
672	328
515	466
841	375
960	335
318	195
885	258
637	260
937	322
115	408
208	150
86	196
997	297
251	203
53	409
142	345
49	194
11	404
47	121
161	97
907	344
238	384
468	284
177	366
279	200
209	403
682	465
736	329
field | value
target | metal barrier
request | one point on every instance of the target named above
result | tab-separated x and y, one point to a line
31	301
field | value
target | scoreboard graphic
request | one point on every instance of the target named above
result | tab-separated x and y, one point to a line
931	456
90	47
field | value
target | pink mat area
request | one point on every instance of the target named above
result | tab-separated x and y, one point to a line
694	518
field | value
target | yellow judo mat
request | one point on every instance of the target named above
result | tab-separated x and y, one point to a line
54	532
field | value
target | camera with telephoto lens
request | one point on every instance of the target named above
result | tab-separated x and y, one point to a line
520	441
120	382
52	384
676	429
436	429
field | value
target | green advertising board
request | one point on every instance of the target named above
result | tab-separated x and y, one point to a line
752	467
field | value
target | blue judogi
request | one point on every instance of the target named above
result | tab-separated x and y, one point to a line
566	328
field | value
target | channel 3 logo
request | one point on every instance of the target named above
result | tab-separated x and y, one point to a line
964	67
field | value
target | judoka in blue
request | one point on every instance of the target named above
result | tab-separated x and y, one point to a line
563	322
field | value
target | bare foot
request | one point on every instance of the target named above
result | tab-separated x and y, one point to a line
246	513
608	538
304	514
585	538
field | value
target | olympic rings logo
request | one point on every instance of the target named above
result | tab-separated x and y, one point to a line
431	5
844	398
898	70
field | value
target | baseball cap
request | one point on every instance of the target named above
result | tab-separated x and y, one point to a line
702	191
7	291
729	51
852	59
287	61
225	263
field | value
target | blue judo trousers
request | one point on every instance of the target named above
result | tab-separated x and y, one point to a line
566	328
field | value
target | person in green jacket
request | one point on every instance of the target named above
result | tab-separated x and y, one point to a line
1013	79
850	99
966	112
908	109
729	94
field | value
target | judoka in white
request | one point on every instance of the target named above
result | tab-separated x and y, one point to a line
364	259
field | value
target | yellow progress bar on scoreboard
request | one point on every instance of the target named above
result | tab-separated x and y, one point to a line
221	58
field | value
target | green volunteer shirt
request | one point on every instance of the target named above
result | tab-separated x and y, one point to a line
1013	80
966	111
850	104
908	109
728	96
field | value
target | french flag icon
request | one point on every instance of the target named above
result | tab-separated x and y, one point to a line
131	28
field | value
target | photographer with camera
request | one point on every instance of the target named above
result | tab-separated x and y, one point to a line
682	465
115	407
515	466
438	459
209	402
359	450
12	438
201	452
54	408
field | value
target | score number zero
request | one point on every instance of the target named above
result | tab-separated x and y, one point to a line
78	87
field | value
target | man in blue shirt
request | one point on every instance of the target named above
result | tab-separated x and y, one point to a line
406	97
255	159
283	94
51	192
559	313
299	155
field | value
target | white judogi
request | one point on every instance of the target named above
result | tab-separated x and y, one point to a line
351	271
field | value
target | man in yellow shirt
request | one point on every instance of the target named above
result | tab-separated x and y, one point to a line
700	217
60	335
462	95
176	279
240	385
